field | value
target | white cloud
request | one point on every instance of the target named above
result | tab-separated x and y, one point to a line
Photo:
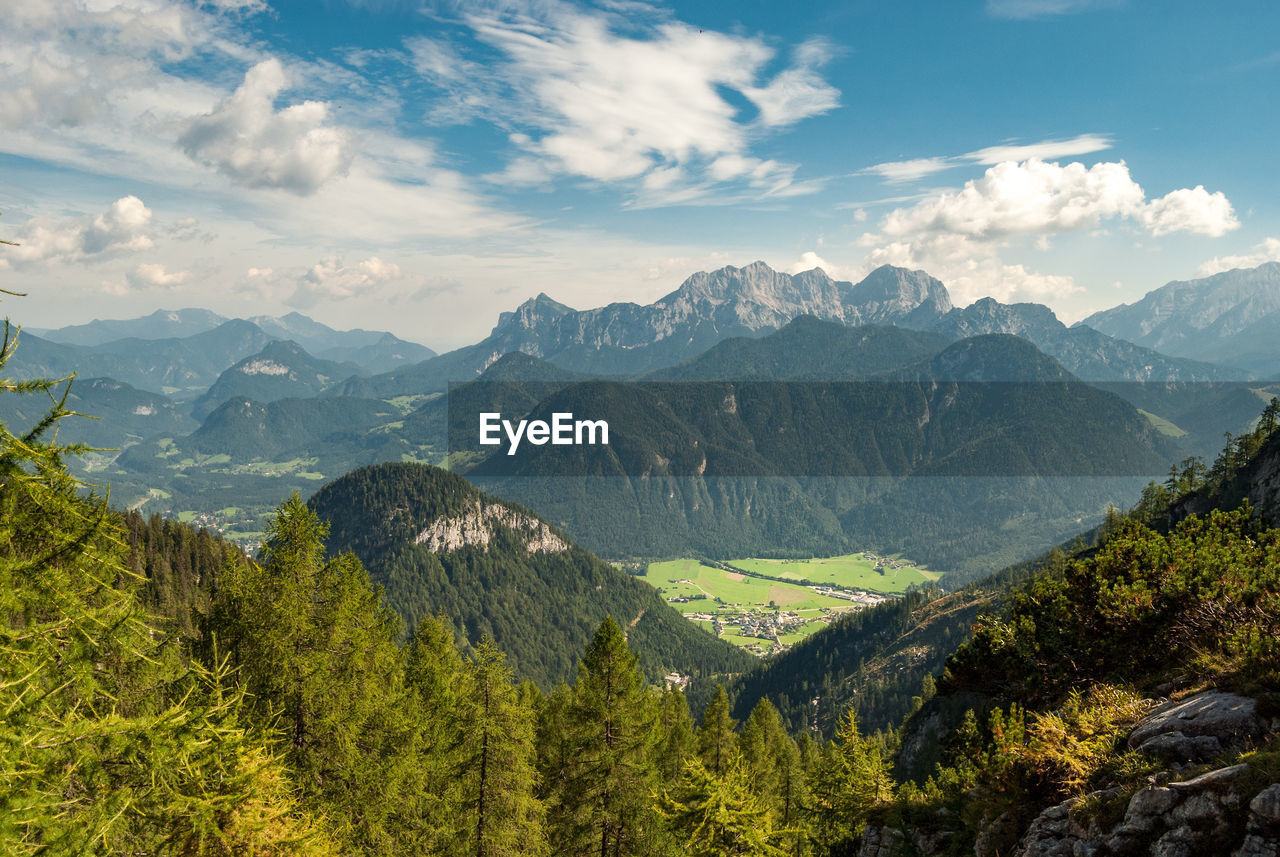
1192	210
1045	150
1267	251
958	235
1013	198
797	92
906	171
1038	197
1024	9
594	103
124	227
153	274
247	139
328	280
918	168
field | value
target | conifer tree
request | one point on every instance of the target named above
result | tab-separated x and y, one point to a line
715	734
109	742
719	816
317	650
853	779
496	811
433	674
604	806
676	743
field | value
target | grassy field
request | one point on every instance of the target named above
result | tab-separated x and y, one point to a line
732	589
740	602
1162	425
740	598
852	571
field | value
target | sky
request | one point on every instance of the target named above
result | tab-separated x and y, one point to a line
422	166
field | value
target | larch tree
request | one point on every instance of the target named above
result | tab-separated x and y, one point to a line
605	802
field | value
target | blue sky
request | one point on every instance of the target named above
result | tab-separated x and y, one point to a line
422	166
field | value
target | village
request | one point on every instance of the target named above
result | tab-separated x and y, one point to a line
770	623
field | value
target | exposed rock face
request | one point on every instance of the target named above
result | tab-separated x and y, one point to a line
1221	812
709	307
478	526
1202	816
1258	482
1231	318
1198	729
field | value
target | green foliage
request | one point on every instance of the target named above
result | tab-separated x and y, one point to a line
109	742
541	607
496	813
719	816
317	651
853	780
715	734
1202	599
603	802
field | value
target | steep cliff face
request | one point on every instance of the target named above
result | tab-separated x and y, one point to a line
1230	318
1257	483
478	525
711	306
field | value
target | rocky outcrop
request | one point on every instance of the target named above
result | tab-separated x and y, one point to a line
480	524
1199	729
1214	813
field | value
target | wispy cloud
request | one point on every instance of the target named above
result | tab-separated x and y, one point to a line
1045	150
645	108
1266	251
1027	9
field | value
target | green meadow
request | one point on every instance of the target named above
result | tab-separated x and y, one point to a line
730	588
851	571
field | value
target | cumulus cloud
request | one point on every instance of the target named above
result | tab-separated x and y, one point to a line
647	107
1038	197
330	279
1190	210
1267	251
152	274
122	228
248	140
51	90
959	234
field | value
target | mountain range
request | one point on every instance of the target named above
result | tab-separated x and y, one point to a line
278	403
1231	318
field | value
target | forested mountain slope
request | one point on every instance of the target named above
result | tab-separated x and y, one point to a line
436	544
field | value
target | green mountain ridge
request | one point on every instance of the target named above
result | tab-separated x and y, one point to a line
436	544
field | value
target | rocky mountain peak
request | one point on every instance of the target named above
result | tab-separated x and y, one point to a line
890	292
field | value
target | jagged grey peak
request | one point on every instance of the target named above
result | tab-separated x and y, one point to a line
713	305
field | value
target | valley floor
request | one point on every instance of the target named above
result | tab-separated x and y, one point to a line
768	605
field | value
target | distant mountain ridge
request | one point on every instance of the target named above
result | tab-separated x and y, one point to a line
281	370
1231	318
372	351
708	308
623	339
